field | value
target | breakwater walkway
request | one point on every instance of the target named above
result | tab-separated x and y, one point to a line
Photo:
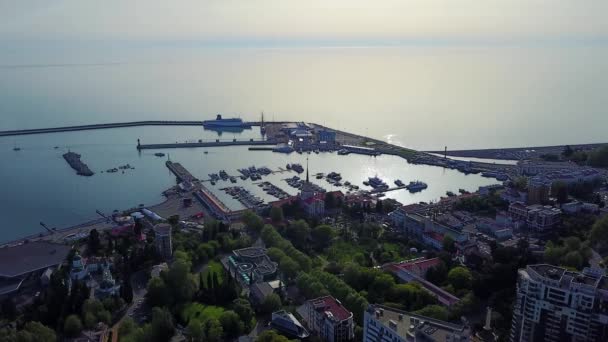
216	143
101	126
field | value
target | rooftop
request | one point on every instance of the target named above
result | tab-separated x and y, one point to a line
261	290
250	252
330	305
29	257
162	229
401	322
417	264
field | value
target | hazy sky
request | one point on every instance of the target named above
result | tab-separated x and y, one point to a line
305	20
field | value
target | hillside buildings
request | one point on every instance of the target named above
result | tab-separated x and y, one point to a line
250	265
385	324
162	236
329	319
536	217
429	229
554	304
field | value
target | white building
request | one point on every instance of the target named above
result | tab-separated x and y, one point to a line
554	304
385	324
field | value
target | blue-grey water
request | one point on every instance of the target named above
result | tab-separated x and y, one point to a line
421	97
38	185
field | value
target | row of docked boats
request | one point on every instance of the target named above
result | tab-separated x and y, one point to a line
254	173
273	190
295	167
379	185
244	196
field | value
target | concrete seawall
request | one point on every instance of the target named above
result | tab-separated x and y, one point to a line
104	126
207	144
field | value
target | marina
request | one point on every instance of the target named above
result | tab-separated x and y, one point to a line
150	178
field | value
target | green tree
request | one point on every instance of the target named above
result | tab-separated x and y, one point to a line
323	235
438	274
271	336
599	157
289	267
195	330
573	259
161	326
521	183
567	152
276	214
253	221
181	281
434	311
231	324
271	304
127	327
173	220
298	233
243	308
35	332
449	245
158	293
559	190
72	326
212	330
460	278
104	316
599	232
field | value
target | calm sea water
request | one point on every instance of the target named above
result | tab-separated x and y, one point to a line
38	185
420	97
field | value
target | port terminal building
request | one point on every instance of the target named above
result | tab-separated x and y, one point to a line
28	264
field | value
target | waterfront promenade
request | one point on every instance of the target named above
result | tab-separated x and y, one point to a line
216	143
104	126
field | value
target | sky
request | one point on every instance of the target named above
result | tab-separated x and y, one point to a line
288	21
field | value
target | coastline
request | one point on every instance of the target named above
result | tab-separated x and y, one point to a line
165	208
168	206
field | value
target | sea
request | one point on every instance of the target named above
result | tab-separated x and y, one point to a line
422	97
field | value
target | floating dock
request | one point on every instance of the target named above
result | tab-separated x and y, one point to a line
74	160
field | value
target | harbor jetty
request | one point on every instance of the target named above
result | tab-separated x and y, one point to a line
99	126
216	143
74	160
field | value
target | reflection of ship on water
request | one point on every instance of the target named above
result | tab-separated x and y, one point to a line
226	129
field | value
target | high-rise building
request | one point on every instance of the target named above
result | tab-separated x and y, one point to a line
538	190
554	304
162	232
329	319
385	324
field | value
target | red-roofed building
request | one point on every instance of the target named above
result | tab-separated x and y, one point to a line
418	267
314	206
329	319
433	239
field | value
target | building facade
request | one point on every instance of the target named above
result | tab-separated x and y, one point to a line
554	304
330	320
385	324
162	239
537	217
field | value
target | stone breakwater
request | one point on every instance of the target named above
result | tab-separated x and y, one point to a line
74	160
